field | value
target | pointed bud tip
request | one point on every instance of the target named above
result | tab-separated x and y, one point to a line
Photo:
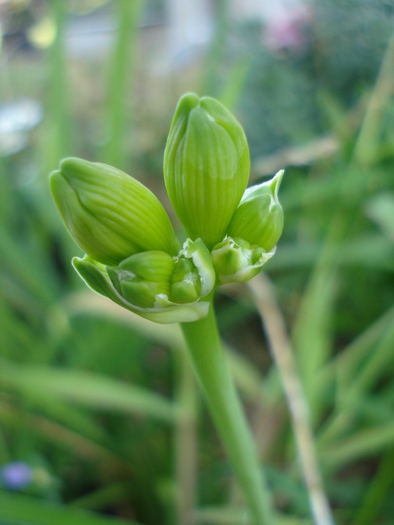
72	162
189	100
74	167
54	179
275	183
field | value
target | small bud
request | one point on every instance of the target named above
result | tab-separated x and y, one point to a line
259	217
206	167
236	261
185	282
155	285
141	277
109	214
198	254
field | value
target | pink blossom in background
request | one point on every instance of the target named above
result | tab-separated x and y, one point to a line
288	30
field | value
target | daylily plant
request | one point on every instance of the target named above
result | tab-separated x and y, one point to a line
132	253
134	257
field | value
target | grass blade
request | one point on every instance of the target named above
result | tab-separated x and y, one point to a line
18	509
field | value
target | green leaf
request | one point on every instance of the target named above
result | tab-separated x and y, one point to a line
381	210
366	443
18	510
87	389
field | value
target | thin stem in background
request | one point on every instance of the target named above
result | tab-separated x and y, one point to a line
378	490
185	437
217	384
282	354
60	146
369	136
5	455
214	55
120	78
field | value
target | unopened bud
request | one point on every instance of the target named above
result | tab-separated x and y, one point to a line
206	167
109	214
259	217
236	261
143	276
185	282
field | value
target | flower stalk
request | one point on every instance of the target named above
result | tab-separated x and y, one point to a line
217	384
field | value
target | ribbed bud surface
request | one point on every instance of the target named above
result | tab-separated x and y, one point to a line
153	279
141	277
108	213
206	167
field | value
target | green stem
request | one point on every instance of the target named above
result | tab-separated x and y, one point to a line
60	145
185	437
120	80
218	387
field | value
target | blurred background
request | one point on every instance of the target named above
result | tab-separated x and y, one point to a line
100	419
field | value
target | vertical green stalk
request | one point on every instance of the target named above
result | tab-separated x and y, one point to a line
59	122
120	75
218	387
214	55
378	491
5	455
185	438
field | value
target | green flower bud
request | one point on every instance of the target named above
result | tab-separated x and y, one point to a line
96	277
206	167
143	276
197	253
109	214
259	217
185	282
155	285
236	261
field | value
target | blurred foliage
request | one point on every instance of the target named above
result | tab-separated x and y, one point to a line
101	405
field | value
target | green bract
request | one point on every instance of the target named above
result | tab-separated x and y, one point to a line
132	254
206	166
109	214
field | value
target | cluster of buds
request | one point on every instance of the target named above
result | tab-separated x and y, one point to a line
132	253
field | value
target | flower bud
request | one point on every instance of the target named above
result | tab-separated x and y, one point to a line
206	167
236	261
155	285
141	277
109	214
185	282
259	217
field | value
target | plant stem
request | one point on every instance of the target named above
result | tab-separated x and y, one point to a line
185	438
282	354
218	387
60	145
120	79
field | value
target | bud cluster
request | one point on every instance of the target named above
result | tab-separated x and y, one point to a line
132	253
